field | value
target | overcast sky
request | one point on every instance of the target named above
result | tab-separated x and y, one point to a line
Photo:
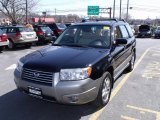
141	8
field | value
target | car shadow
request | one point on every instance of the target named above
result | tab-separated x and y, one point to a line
17	106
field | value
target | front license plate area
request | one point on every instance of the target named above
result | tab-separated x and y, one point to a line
35	91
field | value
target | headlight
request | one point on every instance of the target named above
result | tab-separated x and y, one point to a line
75	74
19	66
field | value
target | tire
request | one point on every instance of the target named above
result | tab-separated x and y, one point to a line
1	48
11	45
104	91
131	63
28	45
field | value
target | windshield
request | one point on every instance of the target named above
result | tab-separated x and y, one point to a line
86	35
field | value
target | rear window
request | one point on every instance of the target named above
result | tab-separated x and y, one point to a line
61	26
144	27
45	28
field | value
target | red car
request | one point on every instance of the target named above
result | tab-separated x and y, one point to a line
3	40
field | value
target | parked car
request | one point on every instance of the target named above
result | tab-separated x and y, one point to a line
20	35
144	31
44	33
57	28
68	24
81	66
3	40
157	32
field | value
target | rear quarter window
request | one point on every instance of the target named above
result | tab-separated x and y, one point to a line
124	31
129	30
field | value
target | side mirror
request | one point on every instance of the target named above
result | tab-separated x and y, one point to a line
54	38
121	41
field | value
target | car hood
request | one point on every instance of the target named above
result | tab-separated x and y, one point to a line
54	58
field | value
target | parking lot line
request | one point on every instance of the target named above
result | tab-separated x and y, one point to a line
127	118
11	67
146	110
95	115
142	109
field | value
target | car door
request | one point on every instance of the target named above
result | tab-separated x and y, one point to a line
128	46
119	52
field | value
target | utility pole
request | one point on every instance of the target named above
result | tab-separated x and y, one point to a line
127	10
114	3
110	12
55	11
120	11
26	11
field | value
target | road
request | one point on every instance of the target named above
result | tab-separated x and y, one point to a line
135	95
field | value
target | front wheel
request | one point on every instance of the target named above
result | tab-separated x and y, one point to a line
104	91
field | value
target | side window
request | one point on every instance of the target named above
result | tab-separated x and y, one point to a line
11	30
124	31
117	33
4	30
129	30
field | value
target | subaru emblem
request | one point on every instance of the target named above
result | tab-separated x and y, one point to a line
36	75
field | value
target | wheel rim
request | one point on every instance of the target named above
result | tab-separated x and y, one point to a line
10	45
132	61
106	90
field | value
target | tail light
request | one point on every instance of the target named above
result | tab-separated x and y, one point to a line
18	34
40	33
58	31
3	37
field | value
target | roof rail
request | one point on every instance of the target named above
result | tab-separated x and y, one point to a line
89	20
122	20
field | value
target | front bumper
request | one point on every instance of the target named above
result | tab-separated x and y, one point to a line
67	92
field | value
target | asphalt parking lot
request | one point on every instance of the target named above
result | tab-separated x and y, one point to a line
135	95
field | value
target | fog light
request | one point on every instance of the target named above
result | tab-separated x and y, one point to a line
73	99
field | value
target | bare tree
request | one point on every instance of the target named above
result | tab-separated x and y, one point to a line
15	10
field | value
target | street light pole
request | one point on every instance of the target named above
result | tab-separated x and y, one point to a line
120	11
26	11
114	3
127	10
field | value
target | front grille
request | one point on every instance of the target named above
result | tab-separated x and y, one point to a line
39	77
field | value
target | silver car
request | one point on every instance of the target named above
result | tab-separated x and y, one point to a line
20	35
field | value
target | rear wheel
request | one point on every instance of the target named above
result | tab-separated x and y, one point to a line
104	91
131	63
28	45
1	48
11	45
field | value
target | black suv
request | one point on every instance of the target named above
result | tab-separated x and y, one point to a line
144	31
81	66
